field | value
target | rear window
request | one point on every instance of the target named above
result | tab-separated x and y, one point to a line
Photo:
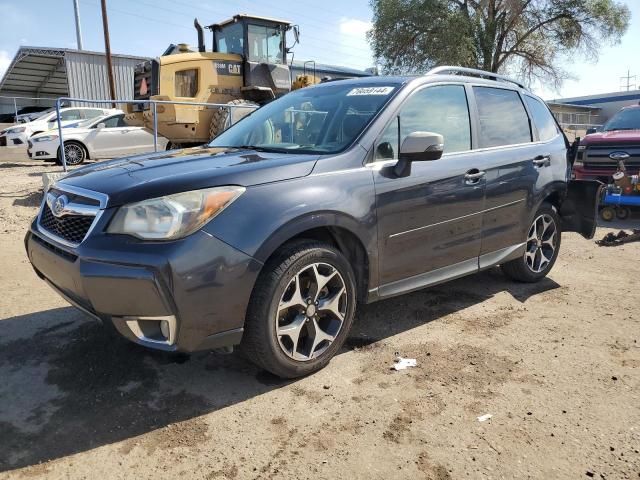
542	118
503	119
186	84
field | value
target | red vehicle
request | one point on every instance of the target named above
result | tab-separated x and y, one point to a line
600	152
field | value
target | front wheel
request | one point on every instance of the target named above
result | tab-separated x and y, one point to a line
301	310
74	153
541	248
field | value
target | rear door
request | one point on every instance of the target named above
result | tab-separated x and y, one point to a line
507	153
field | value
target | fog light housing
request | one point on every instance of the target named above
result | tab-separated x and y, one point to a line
165	329
158	330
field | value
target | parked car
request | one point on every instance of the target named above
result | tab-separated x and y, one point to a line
600	152
30	113
102	137
19	135
3	137
345	192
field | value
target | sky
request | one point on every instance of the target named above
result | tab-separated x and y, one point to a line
332	31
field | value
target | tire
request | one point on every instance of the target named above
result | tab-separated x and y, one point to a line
607	214
622	213
75	153
220	116
289	337
542	246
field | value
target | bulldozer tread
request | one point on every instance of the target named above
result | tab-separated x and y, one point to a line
220	115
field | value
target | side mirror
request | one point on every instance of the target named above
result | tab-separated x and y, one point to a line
100	126
591	130
418	147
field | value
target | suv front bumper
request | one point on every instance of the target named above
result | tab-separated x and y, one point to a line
199	286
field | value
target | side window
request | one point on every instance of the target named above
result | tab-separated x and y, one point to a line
440	109
542	118
111	122
503	119
121	122
69	115
92	113
186	84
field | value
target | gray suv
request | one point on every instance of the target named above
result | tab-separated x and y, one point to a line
343	193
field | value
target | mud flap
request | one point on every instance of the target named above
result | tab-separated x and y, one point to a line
579	210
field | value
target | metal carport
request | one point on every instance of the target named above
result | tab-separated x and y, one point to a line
47	73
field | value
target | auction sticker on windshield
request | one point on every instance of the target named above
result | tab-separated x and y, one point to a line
370	91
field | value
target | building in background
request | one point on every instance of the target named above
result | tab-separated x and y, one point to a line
577	114
43	74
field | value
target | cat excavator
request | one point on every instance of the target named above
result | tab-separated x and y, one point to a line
246	68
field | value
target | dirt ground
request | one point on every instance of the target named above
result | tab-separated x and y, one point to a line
557	364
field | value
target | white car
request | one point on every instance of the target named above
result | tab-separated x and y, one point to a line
19	135
104	137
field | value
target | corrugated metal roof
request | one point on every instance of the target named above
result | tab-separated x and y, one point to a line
42	71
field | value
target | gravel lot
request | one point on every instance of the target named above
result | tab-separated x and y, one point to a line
557	364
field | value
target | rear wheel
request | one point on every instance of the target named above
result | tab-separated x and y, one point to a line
74	153
220	119
541	248
301	310
623	213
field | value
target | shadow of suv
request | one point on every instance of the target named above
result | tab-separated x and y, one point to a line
345	192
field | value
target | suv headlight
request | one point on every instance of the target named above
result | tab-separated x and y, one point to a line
173	216
45	138
17	130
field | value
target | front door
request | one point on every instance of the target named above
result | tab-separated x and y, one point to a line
429	221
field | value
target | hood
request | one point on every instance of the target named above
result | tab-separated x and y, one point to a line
153	175
614	137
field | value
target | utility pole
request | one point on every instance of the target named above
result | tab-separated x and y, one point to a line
628	79
76	9
107	49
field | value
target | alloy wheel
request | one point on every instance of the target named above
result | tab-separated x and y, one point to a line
541	243
311	311
73	154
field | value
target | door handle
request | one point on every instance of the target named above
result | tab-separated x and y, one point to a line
473	176
542	161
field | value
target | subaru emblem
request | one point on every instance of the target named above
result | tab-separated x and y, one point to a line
618	155
59	205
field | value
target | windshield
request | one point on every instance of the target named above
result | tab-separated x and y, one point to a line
628	119
325	119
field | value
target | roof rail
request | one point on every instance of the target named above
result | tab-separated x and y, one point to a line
446	69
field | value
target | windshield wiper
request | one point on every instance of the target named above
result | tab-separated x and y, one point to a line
622	128
257	148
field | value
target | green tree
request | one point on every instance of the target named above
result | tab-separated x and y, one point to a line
529	38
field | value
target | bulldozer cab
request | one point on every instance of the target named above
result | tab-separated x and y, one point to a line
262	43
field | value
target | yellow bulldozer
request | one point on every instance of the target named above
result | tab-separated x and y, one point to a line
246	68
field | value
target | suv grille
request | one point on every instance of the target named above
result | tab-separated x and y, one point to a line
77	210
72	228
597	157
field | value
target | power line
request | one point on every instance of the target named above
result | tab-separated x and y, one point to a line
312	21
337	53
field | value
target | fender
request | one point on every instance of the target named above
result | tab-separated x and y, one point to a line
363	232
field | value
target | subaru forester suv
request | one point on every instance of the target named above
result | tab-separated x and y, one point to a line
342	193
